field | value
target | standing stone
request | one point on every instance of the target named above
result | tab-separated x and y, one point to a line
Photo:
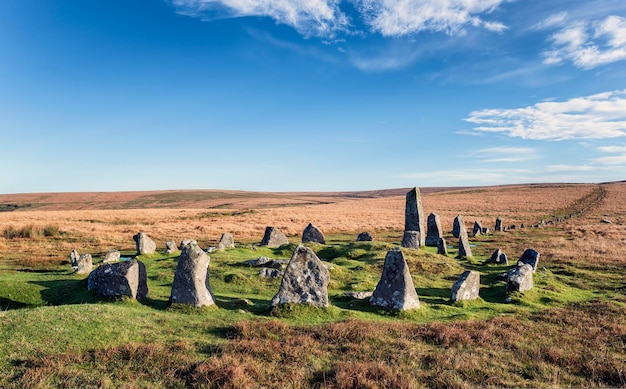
498	224
464	247
411	240
273	237
170	247
191	280
111	256
485	230
442	247
313	234
364	237
457	226
414	214
520	279
395	289
85	264
267	272
74	259
126	278
530	257
144	244
186	242
305	280
433	230
478	228
498	257
226	241
466	287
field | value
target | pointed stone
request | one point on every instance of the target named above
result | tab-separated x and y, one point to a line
411	240
126	278
191	280
498	257
305	280
395	289
144	244
226	241
442	247
414	218
364	237
464	247
467	287
85	264
478	228
433	230
520	279
530	257
313	234
273	237
457	226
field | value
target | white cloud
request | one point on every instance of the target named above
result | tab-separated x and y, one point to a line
505	154
404	17
598	116
612	149
570	168
552	21
589	44
615	160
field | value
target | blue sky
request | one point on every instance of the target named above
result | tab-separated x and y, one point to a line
107	95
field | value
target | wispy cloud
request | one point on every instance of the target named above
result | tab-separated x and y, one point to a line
505	154
474	176
555	20
597	116
612	149
588	44
613	159
570	168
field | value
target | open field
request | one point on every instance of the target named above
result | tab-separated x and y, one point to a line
570	330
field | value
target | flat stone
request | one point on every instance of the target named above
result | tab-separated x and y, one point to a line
520	279
118	279
530	257
395	289
358	295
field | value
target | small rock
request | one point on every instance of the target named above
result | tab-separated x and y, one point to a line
170	247
364	237
85	264
226	241
144	244
358	295
606	221
186	242
111	256
273	237
270	273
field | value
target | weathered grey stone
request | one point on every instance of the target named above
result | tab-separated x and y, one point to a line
364	237
395	289
191	280
273	237
498	257
411	239
485	230
464	247
144	244
74	259
226	241
433	230
358	295
186	242
313	234
414	218
530	257
126	278
170	247
478	228
442	247
266	262
270	273
84	264
498	226
520	279
466	287
305	280
111	256
457	226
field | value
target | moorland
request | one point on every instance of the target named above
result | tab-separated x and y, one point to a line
568	331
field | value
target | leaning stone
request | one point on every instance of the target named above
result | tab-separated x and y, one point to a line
411	240
226	241
530	257
358	295
457	226
186	242
478	228
170	247
85	264
498	226
126	278
395	289
414	214
305	280
520	279
464	247
270	273
498	257
111	256
74	259
442	247
273	237
144	244
364	237
191	280
466	287
313	234
433	230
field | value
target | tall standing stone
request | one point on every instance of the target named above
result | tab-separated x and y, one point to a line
457	226
305	280
191	280
411	240
313	234
273	237
498	226
395	289
433	230
226	241
520	279
414	214
467	287
464	247
126	278
442	247
74	259
530	257
85	264
144	244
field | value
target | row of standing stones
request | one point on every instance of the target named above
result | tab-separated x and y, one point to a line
306	278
